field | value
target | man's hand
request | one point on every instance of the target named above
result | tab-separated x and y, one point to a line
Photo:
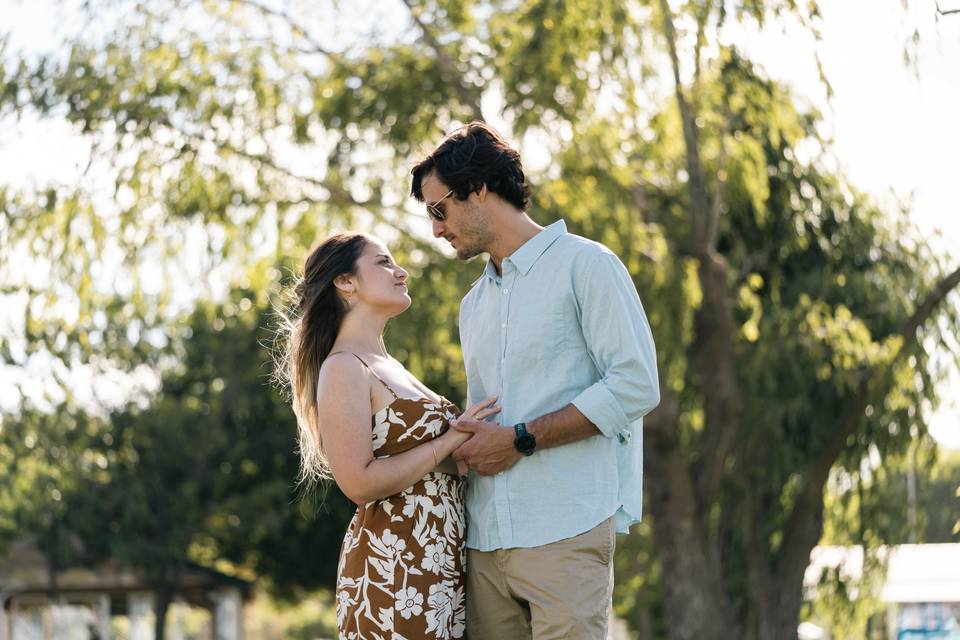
489	451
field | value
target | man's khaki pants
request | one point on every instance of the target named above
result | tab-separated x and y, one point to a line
558	590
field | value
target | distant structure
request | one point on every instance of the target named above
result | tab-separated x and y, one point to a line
921	589
86	599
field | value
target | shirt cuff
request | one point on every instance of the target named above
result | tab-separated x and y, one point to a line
602	409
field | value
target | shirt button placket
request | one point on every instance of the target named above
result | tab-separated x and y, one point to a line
501	481
501	496
504	526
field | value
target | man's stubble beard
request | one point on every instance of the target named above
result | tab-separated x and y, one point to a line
475	234
467	254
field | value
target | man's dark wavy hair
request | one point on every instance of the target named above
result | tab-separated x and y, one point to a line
473	156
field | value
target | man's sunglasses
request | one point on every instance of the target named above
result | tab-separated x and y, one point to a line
436	212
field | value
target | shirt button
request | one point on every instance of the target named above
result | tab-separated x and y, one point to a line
503	326
506	291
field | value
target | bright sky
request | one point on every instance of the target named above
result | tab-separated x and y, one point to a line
897	134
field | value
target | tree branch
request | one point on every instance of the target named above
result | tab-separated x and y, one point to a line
933	299
809	504
337	193
714	325
820	468
947	12
714	350
716	206
699	207
447	64
294	25
12	289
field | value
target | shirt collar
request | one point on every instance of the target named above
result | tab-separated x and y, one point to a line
530	251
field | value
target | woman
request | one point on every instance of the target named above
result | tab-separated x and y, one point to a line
385	438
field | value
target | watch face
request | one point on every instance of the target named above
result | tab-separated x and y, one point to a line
525	444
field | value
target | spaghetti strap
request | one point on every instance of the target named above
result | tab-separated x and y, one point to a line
389	388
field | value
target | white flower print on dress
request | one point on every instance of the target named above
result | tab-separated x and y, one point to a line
381	428
459	606
432	486
431	423
436	558
441	609
386	617
406	549
388	546
409	602
344	601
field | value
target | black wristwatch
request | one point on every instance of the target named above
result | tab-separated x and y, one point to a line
525	443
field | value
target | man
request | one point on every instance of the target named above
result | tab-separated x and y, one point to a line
554	328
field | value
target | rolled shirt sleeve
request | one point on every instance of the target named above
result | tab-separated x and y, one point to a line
620	342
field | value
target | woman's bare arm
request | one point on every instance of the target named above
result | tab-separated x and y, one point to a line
344	411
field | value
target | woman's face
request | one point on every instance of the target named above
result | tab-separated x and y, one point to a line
380	282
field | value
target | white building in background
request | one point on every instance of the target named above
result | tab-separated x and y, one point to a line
921	589
88	601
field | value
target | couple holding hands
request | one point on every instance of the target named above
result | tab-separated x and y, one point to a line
498	522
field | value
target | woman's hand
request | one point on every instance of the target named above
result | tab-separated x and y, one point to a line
481	410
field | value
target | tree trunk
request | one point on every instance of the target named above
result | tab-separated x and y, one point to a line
787	593
163	596
696	603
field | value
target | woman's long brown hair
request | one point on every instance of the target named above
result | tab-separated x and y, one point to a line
307	333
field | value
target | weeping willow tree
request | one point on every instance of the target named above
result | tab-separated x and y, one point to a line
793	317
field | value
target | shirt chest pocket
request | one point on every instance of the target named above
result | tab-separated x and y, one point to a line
537	335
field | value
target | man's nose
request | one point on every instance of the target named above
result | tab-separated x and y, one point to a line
437	226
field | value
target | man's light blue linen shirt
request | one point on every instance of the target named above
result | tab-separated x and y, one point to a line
562	324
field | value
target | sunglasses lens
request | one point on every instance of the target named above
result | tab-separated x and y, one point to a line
435	212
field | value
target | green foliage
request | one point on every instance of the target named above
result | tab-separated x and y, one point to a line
872	505
636	590
204	473
844	604
312	616
571	45
232	138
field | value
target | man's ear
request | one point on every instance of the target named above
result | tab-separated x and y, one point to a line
481	193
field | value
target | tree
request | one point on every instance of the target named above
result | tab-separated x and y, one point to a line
203	473
793	318
861	345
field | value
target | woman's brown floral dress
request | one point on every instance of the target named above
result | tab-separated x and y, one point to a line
401	569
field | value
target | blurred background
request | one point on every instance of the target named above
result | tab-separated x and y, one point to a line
779	176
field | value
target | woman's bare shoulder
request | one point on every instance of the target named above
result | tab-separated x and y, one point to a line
341	370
